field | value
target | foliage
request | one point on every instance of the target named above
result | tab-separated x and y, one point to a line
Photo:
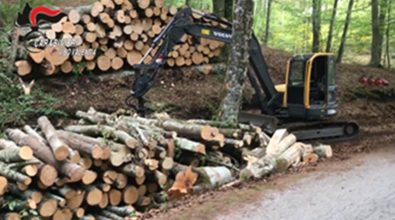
15	107
291	28
374	93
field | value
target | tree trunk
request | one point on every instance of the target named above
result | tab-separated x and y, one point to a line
229	12
345	30
237	71
219	7
316	20
267	28
388	34
375	59
382	20
331	27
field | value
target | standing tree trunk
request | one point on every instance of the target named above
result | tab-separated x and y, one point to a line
267	28
387	35
237	70
316	20
345	30
331	27
229	6
375	58
188	3
219	7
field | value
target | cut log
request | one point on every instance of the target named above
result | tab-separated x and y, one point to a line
259	168
48	208
96	9
10	155
290	157
115	197
104	201
41	151
130	195
133	170
103	63
94	196
37	57
323	151
48	175
3	185
278	135
89	177
192	146
183	183
23	67
82	143
56	55
59	148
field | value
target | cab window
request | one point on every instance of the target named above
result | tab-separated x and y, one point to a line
297	73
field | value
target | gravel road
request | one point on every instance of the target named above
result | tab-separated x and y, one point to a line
365	190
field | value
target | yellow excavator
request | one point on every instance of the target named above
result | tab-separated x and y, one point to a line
302	104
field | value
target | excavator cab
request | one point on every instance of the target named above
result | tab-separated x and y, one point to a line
310	88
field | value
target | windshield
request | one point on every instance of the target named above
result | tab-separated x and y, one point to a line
297	73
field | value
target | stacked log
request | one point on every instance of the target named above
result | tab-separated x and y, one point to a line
110	35
113	166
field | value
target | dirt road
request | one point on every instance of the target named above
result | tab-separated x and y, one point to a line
366	191
360	187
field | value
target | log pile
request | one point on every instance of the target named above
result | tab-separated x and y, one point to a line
110	35
115	166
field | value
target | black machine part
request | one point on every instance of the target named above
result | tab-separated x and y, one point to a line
270	100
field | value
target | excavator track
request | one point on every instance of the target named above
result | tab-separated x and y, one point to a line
328	131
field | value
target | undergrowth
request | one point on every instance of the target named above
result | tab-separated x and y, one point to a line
16	108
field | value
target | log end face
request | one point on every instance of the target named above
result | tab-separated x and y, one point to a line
61	153
48	175
26	153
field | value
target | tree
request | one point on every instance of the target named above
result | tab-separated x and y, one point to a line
239	60
331	27
267	28
229	6
219	7
387	35
378	26
188	2
316	20
340	53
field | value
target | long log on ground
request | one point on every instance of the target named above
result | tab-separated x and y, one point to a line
84	144
59	148
97	130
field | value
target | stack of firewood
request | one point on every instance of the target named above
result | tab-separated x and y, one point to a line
111	35
116	166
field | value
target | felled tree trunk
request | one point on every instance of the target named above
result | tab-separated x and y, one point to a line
59	148
237	71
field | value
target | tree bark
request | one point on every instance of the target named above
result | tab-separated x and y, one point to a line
237	71
219	7
267	28
388	34
375	58
229	9
331	27
188	3
316	20
345	30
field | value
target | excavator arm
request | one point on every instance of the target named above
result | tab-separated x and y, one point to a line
183	23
